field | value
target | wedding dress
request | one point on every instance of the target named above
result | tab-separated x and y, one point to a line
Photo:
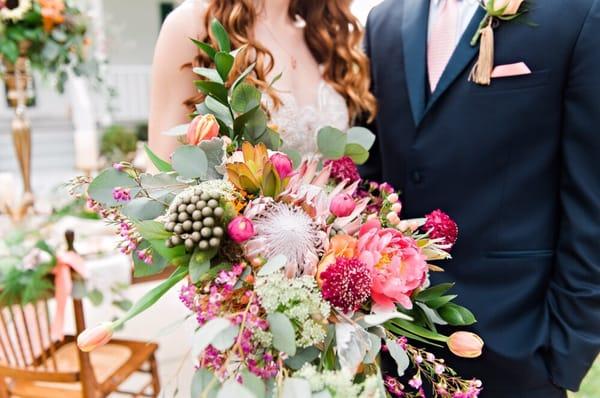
298	125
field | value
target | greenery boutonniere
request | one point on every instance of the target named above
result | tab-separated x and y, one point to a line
495	10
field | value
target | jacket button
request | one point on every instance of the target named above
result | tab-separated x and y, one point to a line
417	177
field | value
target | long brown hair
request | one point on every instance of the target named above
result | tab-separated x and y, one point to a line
333	35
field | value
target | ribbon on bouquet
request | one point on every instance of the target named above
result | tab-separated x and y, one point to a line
63	286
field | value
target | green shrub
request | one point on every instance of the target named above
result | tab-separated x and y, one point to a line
118	142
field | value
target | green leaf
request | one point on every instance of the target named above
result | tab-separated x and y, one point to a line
151	297
224	63
271	139
160	164
225	340
357	153
431	314
190	162
440	301
456	315
294	156
374	349
96	297
204	384
220	111
256	126
399	356
206	48
240	122
274	264
302	357
174	255
199	266
141	269
361	136
243	76
433	292
207	333
123	305
244	98
217	90
254	384
214	152
141	209
419	331
152	230
101	189
220	35
331	142
163	186
284	336
209	73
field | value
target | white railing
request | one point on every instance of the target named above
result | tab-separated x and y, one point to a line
132	85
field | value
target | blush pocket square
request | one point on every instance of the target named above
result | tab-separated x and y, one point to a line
509	70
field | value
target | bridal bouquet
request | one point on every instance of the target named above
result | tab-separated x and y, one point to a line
51	34
299	273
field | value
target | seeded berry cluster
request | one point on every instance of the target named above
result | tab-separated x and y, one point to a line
195	221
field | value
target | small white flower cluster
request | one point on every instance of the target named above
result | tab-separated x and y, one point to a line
300	300
262	337
339	383
16	14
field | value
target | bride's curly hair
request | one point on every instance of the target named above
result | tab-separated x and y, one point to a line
334	37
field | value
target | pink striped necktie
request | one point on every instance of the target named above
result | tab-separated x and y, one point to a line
442	41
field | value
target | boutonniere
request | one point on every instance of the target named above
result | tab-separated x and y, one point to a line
495	12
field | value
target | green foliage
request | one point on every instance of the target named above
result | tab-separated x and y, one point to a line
118	142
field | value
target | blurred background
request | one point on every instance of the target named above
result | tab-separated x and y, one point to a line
88	127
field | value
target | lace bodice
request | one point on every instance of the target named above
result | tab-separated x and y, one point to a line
298	125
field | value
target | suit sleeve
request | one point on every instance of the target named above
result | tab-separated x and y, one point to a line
371	170
574	292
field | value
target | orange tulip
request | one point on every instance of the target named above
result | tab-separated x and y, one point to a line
465	344
203	127
90	339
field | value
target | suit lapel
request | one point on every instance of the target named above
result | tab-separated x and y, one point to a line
414	39
461	58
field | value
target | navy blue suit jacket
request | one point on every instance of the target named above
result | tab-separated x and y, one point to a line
517	165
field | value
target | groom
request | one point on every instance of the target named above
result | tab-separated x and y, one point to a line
516	163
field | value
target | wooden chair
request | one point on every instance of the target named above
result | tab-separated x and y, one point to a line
34	366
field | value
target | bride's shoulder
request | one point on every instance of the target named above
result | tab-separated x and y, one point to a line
186	19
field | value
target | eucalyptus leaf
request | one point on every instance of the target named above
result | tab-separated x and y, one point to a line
162	186
357	153
141	269
101	188
207	333
95	296
361	136
141	209
273	265
374	349
190	162
294	156
233	389
331	142
205	382
225	340
254	384
399	355
284	335
213	149
302	357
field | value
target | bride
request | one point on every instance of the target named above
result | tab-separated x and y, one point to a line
313	44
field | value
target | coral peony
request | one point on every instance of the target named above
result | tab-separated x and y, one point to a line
282	164
90	339
240	229
441	226
465	344
342	205
346	283
343	169
397	263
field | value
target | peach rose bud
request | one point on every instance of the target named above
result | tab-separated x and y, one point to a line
512	6
90	339
465	344
202	128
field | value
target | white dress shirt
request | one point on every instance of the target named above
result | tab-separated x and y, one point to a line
466	10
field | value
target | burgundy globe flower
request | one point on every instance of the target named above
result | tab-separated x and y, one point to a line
346	284
440	225
343	169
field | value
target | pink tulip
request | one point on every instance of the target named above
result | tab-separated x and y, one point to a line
342	205
282	164
240	229
90	339
465	344
202	128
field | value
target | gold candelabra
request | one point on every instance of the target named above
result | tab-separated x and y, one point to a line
19	82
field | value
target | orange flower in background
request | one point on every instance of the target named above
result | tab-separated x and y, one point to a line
52	12
343	246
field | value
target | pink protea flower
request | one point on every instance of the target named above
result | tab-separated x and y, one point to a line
343	169
346	283
396	261
441	226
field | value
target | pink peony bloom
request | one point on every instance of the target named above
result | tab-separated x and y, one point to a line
440	225
342	205
240	229
282	164
396	261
